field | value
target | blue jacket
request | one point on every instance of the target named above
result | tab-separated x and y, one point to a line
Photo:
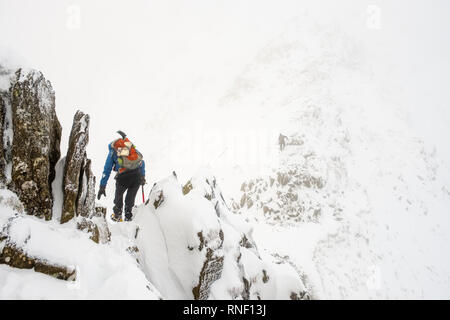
111	164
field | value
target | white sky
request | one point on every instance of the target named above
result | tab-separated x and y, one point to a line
129	62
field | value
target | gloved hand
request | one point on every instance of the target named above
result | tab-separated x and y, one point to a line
142	180
101	192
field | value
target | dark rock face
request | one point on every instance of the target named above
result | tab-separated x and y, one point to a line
87	225
212	267
77	172
86	199
35	146
97	227
15	257
2	151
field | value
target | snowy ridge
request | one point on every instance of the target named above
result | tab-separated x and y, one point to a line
186	228
182	244
387	190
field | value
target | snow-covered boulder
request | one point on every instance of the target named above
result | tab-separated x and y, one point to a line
43	253
16	250
31	138
192	247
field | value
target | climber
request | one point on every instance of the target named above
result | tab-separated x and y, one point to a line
126	160
282	141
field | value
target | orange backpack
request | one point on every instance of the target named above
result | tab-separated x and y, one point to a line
128	157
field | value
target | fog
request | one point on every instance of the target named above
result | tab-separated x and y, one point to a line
145	67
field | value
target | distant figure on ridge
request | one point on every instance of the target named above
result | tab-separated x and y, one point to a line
282	141
126	160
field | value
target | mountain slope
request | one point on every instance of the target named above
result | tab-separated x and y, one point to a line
376	226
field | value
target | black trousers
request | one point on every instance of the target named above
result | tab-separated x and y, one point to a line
129	182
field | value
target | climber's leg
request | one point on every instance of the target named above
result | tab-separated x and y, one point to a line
129	201
118	199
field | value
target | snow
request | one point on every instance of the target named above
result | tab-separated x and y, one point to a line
10	205
102	271
387	240
169	251
157	255
180	219
369	106
5	82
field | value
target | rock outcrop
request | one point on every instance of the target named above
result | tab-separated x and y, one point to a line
289	195
17	258
2	151
79	184
78	180
86	198
30	138
29	107
211	251
18	248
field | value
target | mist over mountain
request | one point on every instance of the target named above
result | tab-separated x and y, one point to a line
351	203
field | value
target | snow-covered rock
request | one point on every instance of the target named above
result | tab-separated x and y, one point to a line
31	136
61	251
192	247
79	193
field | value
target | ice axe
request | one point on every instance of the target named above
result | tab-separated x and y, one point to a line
122	134
143	198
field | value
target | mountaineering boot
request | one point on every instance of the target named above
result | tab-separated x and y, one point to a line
116	218
128	216
117	215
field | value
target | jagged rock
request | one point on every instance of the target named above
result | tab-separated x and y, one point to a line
212	266
265	277
100	211
86	199
210	251
300	296
187	188
76	163
291	194
36	139
90	227
17	258
246	242
5	121
159	199
79	185
2	151
211	271
97	227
